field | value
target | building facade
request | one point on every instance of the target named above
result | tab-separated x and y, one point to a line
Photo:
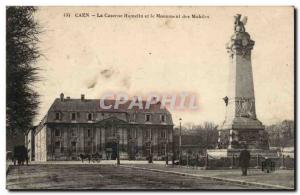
80	126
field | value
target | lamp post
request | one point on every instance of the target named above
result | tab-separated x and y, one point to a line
118	150
180	152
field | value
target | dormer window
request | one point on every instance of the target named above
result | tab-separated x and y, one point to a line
57	116
163	118
133	117
73	116
148	117
89	116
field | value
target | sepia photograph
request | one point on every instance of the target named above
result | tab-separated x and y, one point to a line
118	98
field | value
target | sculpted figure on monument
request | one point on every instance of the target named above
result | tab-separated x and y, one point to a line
245	108
240	43
239	26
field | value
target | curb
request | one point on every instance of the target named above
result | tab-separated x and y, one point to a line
233	181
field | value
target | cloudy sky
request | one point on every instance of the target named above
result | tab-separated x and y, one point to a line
90	55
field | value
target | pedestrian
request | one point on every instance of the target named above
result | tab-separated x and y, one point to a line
167	159
150	158
244	160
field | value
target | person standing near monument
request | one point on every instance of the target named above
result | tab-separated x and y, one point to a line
244	160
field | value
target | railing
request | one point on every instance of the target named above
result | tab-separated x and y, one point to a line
210	162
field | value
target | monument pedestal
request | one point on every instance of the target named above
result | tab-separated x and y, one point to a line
242	131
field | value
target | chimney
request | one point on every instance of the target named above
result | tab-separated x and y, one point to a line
82	97
62	97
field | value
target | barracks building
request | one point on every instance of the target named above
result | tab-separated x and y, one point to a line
80	126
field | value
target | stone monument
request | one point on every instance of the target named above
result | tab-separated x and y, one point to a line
241	126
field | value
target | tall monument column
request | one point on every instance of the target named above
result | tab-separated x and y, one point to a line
241	127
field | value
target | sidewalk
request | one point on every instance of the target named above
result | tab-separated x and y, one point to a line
280	179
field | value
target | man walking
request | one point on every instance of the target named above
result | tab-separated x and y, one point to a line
244	160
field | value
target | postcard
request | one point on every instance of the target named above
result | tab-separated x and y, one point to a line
150	98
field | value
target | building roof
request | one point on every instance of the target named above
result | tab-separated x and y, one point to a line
93	105
124	112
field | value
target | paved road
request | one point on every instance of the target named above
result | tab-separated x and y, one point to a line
95	176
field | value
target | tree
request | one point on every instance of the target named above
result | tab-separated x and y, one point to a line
203	135
281	134
22	53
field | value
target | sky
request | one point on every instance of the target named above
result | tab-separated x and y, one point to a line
90	55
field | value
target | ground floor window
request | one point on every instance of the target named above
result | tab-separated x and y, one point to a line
147	149
162	148
88	148
57	145
73	146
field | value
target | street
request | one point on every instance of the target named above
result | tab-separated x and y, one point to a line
105	177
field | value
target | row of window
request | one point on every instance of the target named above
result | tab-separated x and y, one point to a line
73	133
162	148
73	144
58	146
148	134
132	133
73	116
90	117
149	119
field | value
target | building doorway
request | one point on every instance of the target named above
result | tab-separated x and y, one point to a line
111	150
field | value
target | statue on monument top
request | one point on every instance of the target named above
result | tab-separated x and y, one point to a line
240	42
239	26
